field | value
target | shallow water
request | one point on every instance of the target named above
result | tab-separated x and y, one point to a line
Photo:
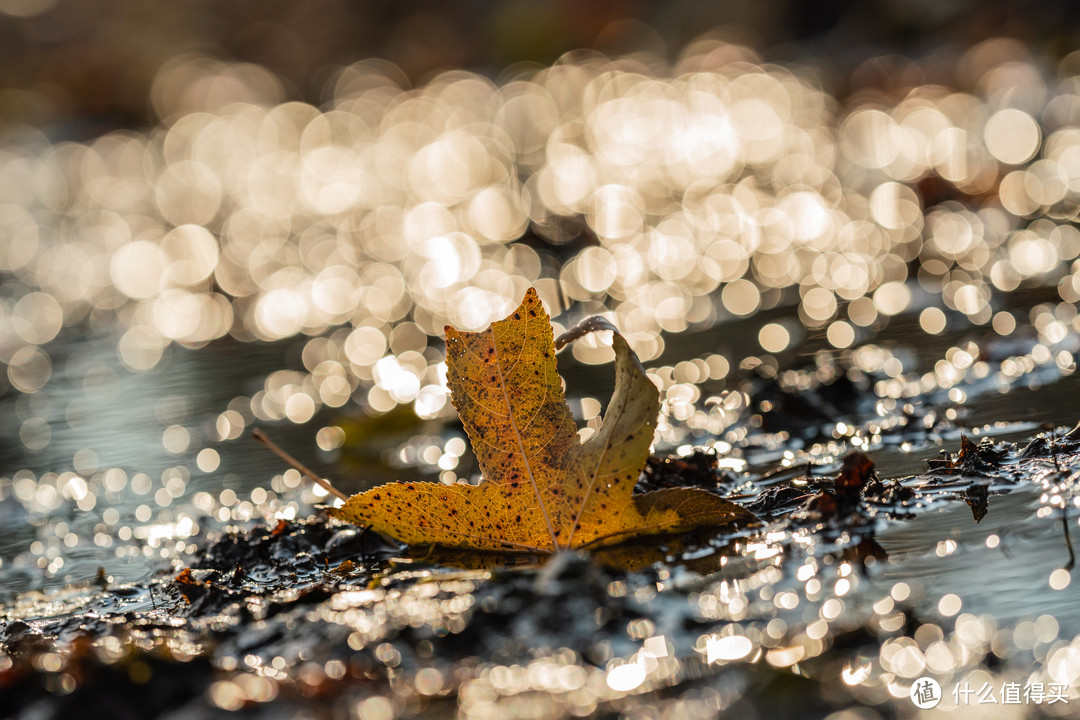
123	420
1008	581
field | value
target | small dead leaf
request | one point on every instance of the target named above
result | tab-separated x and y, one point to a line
977	497
979	459
344	568
543	490
858	469
845	496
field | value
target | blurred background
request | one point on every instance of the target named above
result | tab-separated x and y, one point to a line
215	215
84	67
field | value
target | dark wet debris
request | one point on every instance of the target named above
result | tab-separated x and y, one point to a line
845	495
983	459
303	558
977	496
779	501
1049	444
307	548
813	496
699	469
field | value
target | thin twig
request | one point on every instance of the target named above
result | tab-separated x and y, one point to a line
304	470
1053	449
1065	506
1068	542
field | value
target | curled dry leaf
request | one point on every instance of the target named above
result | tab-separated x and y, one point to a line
543	490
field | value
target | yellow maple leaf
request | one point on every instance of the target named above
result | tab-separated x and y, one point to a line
543	490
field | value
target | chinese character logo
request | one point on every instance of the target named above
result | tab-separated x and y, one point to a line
926	693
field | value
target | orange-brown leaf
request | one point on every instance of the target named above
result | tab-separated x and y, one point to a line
543	490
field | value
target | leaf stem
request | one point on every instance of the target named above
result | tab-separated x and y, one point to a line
304	470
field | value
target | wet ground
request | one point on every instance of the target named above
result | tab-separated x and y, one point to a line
864	576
